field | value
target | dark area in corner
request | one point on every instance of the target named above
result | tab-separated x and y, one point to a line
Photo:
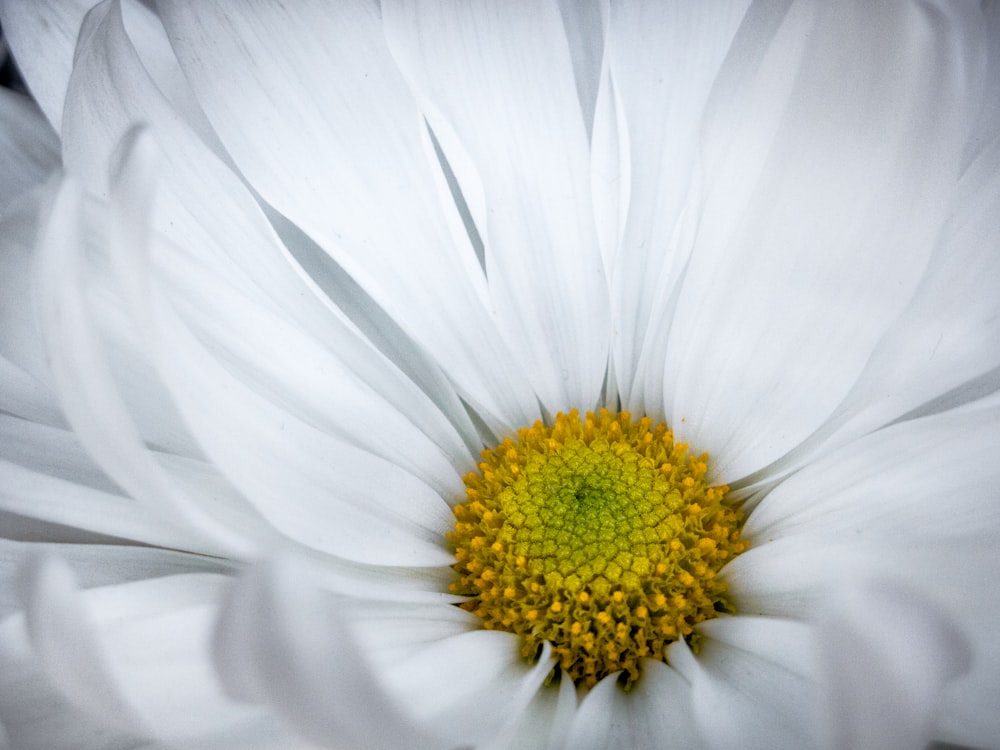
10	76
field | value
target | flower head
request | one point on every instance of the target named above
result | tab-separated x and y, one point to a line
500	375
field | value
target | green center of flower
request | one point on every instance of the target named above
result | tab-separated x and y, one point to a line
599	536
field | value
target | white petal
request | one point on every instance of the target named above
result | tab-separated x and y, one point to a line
919	479
748	685
344	157
20	341
790	577
663	61
100	565
609	179
45	475
823	201
389	631
68	647
944	349
543	725
205	209
29	149
35	715
272	457
23	396
655	713
885	653
87	390
280	641
319	490
470	686
501	81
42	34
136	655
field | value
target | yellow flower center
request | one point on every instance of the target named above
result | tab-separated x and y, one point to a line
599	536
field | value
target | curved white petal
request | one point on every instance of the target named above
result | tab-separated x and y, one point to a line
313	487
655	713
22	340
345	157
749	685
823	199
205	209
281	642
88	393
923	479
791	577
35	715
389	631
663	60
29	149
100	565
945	347
543	725
470	686
276	357
884	653
501	81
136	655
321	491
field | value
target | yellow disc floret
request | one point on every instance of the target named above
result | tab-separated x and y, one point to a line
599	536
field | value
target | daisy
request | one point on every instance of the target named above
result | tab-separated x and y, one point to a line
512	375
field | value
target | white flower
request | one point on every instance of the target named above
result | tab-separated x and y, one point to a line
350	245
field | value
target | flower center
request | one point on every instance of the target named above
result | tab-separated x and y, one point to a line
599	536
